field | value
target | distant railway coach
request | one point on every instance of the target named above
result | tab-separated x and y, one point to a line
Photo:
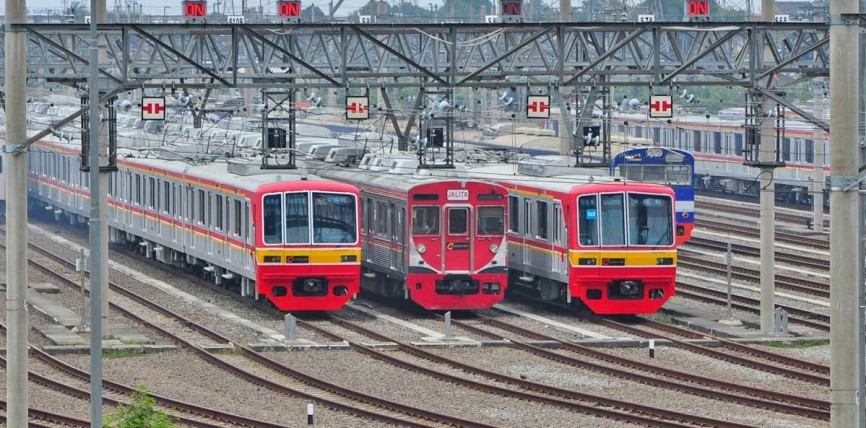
607	243
438	241
290	238
670	167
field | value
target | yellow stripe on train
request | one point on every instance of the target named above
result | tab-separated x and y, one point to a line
622	258
313	255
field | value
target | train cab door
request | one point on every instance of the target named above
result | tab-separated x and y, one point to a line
557	255
397	232
527	232
459	239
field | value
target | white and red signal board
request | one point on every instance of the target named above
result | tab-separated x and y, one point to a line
152	108
357	108
538	107
661	106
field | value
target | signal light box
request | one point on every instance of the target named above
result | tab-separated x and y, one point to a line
194	10
697	10
289	11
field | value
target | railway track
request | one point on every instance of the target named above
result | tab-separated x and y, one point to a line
705	205
41	416
800	285
331	395
534	391
798	370
743	230
748	304
745	250
658	376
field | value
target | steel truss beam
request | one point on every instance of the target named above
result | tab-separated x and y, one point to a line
434	55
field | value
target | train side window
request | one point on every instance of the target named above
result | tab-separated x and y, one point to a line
246	222
557	224
297	218
696	138
425	220
541	223
272	214
491	221
717	146
1	164
613	219
587	220
513	214
166	196
381	218
151	187
786	149
236	220
137	189
190	204
810	151
738	145
218	211
199	216
111	185
458	221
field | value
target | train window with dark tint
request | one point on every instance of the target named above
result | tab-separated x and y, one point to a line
717	146
151	192
541	215
786	149
810	151
738	145
218	210
557	223
137	189
236	218
425	220
297	218
513	214
489	197
425	197
458	221
381	218
696	140
612	219
334	219
657	135
201	207
650	220
166	197
491	221
272	210
247	222
587	220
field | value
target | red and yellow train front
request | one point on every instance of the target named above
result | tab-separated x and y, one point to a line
308	249
623	256
457	255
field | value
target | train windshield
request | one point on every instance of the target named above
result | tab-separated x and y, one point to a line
286	218
678	175
650	219
334	218
425	220
491	220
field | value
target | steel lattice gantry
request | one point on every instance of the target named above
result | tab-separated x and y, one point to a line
434	55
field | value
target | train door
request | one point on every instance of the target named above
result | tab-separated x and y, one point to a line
527	233
367	230
458	239
558	256
394	231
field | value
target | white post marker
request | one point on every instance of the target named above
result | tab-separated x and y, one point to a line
310	414
652	348
448	324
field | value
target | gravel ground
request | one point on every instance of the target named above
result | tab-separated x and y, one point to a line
351	370
185	377
518	364
45	399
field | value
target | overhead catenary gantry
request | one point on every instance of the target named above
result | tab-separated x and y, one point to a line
434	55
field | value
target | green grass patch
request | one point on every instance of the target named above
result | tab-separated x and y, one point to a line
120	353
797	344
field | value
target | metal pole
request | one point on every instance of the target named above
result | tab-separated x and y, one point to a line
768	195
97	7
846	231
818	141
729	259
17	392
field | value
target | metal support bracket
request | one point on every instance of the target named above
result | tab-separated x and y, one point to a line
847	19
844	183
14	148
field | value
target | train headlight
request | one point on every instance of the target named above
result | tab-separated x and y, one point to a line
422	248
494	248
